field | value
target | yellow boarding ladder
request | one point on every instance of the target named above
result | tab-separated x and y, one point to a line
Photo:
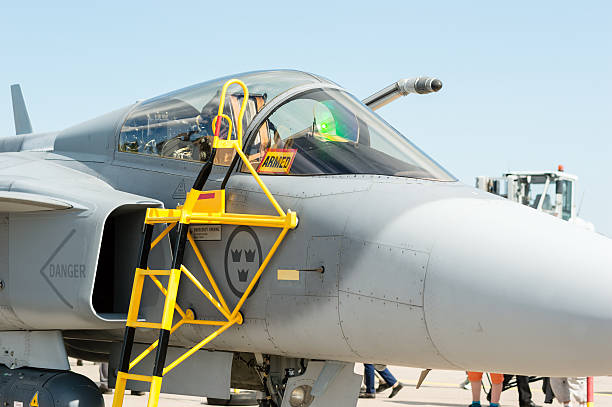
200	207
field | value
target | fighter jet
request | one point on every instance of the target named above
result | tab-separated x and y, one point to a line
383	257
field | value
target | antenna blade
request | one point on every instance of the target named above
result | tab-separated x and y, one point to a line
20	112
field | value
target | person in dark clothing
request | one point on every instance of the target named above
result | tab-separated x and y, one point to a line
391	381
524	392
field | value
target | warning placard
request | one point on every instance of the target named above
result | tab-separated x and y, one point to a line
205	232
34	402
277	161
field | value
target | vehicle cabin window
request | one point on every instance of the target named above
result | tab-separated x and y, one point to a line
325	132
566	212
537	191
176	128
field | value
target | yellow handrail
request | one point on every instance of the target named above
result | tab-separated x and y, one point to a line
217	142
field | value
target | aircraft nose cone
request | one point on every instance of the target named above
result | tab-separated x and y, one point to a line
512	290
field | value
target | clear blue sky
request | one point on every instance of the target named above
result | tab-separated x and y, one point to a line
527	85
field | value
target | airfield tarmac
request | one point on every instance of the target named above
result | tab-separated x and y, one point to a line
440	389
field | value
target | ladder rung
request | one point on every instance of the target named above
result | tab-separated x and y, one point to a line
141	324
202	322
240	219
154	272
139	377
153	220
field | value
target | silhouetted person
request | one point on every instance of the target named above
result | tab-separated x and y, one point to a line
524	392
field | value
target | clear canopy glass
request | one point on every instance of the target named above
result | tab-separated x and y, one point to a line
322	131
328	131
179	124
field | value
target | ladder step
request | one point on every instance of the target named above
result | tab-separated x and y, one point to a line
160	215
142	324
138	377
153	272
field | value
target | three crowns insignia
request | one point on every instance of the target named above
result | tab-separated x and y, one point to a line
249	256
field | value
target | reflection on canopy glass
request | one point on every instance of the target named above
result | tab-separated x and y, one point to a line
333	122
329	132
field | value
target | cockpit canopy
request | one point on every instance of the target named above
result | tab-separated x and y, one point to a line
179	124
320	131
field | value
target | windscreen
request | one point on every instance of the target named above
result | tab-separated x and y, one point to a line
327	131
178	125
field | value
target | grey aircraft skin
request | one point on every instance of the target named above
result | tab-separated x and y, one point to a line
419	270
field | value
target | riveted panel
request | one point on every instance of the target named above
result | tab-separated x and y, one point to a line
387	332
306	325
383	271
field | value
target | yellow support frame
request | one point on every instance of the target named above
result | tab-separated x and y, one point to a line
188	214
